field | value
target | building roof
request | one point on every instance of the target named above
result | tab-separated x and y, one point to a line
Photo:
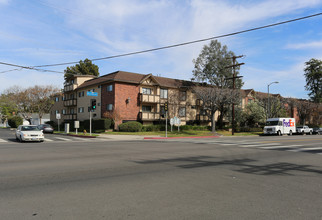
134	78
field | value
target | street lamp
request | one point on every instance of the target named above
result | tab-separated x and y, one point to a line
268	104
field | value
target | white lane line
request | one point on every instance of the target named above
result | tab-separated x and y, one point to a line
277	147
46	139
311	148
63	139
1	140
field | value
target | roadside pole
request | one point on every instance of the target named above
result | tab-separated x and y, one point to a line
90	122
166	123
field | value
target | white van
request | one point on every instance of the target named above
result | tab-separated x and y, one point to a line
280	126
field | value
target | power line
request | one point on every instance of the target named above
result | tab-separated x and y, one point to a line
26	67
187	43
165	47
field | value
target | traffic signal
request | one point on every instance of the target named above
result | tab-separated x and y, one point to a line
166	106
93	104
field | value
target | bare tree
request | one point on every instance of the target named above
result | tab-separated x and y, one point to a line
305	110
213	97
37	99
41	98
114	115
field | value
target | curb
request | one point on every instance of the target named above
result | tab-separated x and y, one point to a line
82	136
149	138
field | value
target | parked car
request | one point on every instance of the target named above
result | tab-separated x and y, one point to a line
46	128
304	130
29	133
317	131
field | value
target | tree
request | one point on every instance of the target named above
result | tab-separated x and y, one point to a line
212	67
254	114
37	99
313	75
85	67
41	98
212	97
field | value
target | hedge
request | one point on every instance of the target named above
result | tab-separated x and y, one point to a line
131	126
15	121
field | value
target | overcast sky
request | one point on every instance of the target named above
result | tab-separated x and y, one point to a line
38	32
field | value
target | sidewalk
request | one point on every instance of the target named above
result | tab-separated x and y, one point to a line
141	137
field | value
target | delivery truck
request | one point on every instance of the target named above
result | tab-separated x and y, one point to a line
280	126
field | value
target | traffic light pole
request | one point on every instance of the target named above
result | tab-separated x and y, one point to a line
90	122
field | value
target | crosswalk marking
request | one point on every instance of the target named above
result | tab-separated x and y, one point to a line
276	147
46	139
1	140
63	139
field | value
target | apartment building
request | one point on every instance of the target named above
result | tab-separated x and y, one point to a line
136	97
131	96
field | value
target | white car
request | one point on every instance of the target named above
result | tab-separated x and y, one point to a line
29	133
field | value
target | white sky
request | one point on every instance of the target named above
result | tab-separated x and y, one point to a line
38	32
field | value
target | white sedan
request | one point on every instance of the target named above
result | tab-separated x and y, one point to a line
29	133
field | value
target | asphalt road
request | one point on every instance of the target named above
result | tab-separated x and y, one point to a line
224	178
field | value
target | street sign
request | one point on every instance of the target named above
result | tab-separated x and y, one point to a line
91	93
58	116
176	121
76	124
171	121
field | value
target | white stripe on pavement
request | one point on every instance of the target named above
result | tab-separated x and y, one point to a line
63	139
1	140
46	139
277	147
311	148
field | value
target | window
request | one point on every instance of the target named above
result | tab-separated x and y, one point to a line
57	99
183	95
109	88
182	111
146	108
64	111
72	111
109	107
81	110
163	93
146	91
57	112
81	94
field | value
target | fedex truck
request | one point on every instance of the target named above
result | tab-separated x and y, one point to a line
280	126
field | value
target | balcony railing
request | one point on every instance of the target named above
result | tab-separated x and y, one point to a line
70	116
70	102
202	117
149	98
70	87
149	115
199	102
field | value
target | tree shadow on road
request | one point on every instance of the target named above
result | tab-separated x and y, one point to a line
242	165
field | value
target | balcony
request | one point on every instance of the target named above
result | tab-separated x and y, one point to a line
149	98
149	116
199	102
70	102
202	117
70	87
70	116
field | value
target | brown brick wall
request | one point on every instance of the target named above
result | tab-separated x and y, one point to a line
118	97
107	97
128	110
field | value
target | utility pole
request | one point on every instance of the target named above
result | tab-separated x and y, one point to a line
233	78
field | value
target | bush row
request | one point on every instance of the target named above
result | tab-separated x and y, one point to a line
98	125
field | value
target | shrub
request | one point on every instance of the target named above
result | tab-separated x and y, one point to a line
15	121
131	126
98	125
